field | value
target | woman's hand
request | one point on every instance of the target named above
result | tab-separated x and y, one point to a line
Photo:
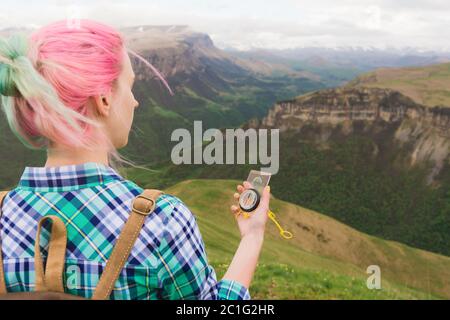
252	229
256	223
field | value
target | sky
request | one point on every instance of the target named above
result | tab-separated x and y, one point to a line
250	24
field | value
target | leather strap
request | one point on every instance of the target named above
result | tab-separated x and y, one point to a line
52	278
2	273
142	206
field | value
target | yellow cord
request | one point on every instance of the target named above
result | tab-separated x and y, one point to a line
284	233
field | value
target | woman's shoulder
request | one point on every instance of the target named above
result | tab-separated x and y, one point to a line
167	203
169	207
172	207
173	221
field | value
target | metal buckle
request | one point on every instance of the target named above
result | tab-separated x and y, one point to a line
143	212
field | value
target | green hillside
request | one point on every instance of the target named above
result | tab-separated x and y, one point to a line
325	259
428	85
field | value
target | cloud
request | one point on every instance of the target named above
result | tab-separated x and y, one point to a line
271	24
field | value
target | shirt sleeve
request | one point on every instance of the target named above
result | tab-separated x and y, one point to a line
185	272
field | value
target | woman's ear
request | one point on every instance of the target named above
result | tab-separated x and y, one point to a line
102	105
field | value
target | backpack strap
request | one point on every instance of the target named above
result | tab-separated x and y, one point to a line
52	278
2	273
142	206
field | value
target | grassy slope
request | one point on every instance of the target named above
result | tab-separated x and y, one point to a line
429	85
325	260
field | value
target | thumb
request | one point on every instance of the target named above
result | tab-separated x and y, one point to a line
265	197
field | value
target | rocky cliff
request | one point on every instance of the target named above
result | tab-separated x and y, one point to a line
424	131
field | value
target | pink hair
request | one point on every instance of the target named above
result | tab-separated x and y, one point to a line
72	65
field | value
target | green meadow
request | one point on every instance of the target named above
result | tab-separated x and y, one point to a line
325	260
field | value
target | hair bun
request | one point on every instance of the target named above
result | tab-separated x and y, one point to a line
10	49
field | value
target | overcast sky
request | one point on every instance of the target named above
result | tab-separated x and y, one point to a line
245	24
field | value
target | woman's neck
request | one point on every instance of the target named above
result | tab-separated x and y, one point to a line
60	157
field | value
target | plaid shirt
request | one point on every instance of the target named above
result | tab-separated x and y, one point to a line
168	260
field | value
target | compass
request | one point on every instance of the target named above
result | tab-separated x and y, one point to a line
249	200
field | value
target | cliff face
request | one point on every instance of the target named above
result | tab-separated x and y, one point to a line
334	106
423	130
176	50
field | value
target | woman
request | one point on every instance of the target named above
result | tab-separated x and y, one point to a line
69	90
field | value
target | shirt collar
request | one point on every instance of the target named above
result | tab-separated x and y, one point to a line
68	177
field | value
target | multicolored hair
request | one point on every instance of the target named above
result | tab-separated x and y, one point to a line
47	78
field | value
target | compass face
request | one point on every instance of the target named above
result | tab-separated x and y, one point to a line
249	200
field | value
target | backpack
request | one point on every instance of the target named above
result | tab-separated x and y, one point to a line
49	282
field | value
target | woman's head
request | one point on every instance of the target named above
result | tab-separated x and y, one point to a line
69	87
115	110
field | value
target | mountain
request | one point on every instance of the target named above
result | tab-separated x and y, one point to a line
336	66
360	58
325	260
188	51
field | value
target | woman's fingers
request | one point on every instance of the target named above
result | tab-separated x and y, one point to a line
242	187
265	197
234	209
236	196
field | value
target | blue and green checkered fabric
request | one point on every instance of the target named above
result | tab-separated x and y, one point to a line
168	260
